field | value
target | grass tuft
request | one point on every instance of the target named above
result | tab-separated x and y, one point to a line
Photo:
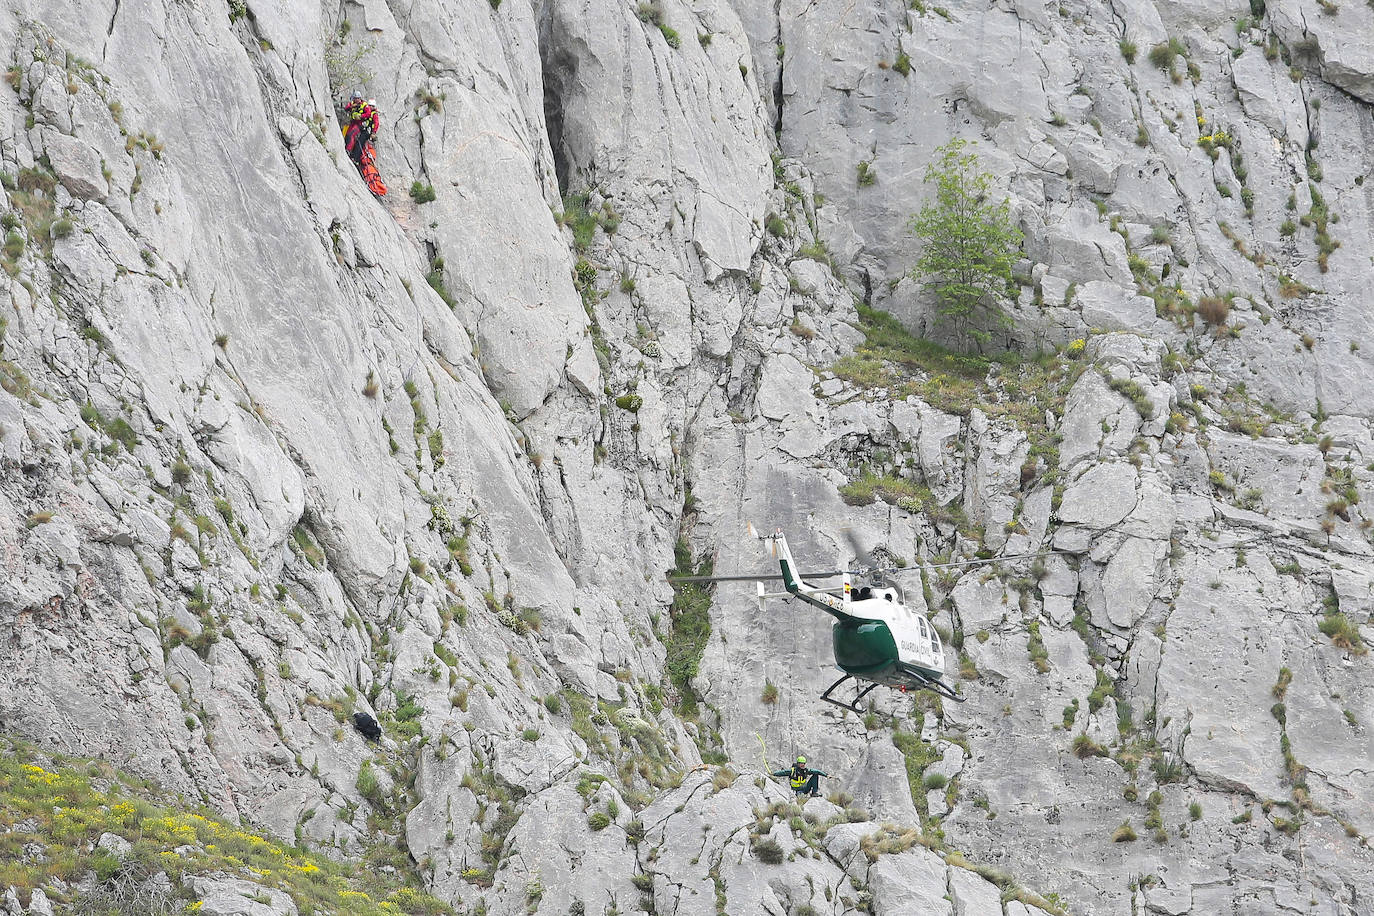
421	193
1085	747
1344	634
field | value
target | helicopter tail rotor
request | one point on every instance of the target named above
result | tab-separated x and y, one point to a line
772	539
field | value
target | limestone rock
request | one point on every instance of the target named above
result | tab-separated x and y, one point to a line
1097	420
272	449
39	905
236	897
1102	497
1345	61
910	882
114	844
1129	581
77	166
877	785
970	895
1112	308
842	843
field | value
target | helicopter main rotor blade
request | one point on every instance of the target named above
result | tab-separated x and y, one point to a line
917	566
876	571
861	557
825	574
849	536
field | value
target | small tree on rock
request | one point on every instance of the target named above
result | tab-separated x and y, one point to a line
969	244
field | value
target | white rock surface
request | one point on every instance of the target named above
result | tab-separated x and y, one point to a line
253	466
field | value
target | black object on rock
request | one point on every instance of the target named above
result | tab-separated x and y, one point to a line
367	726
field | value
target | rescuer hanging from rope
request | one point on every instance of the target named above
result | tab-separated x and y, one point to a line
803	781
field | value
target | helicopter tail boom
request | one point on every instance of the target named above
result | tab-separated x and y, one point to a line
834	601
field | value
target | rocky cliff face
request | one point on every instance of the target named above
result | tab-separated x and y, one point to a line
272	452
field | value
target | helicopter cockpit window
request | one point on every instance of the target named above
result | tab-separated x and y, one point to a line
921	625
935	642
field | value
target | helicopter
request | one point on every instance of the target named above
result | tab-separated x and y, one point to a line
878	640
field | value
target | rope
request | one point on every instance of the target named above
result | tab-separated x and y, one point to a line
791	706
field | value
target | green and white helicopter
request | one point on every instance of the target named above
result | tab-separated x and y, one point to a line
876	637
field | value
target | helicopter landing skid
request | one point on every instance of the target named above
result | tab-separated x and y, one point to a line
852	706
933	684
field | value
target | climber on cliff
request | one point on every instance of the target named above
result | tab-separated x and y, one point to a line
363	125
804	781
